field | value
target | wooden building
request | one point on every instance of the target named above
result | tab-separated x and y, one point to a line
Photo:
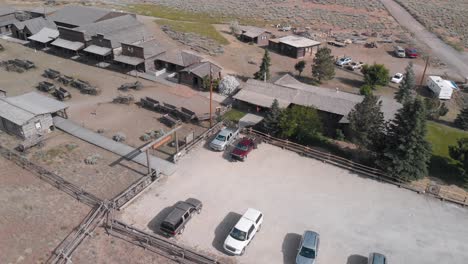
258	36
7	19
176	60
293	46
25	29
141	56
195	74
29	115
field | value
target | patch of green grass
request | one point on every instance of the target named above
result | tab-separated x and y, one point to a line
202	29
234	115
169	13
442	165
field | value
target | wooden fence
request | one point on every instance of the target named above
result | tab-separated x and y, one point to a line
429	189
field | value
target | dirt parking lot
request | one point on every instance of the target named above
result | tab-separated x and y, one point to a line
354	215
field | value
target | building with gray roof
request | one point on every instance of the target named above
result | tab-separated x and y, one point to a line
176	60
140	56
29	115
289	91
25	29
259	36
195	74
73	16
293	46
7	18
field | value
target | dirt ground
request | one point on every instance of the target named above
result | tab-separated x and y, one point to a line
34	217
354	215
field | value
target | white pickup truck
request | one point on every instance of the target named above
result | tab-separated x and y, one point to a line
243	232
224	138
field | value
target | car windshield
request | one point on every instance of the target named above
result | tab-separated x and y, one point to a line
307	253
242	147
221	138
239	235
397	76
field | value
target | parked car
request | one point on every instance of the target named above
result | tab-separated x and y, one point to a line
399	51
376	258
224	138
397	77
243	232
411	53
343	61
308	248
181	213
354	65
243	148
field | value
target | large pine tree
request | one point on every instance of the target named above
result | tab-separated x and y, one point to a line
323	67
407	85
407	153
264	71
271	120
366	122
462	119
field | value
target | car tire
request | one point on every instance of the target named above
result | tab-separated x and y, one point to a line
242	252
181	230
199	210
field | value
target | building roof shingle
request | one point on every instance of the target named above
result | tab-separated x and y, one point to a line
180	57
79	15
36	24
252	32
297	41
203	69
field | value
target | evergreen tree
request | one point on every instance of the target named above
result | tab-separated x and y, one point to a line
459	153
301	123
323	67
300	66
407	85
462	119
271	120
406	153
366	122
264	71
375	75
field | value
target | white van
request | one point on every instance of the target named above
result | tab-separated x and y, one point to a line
399	51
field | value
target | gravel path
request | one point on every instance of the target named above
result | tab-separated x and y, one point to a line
438	47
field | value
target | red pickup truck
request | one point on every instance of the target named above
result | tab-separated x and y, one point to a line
243	148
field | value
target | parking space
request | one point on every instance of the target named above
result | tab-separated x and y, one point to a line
354	215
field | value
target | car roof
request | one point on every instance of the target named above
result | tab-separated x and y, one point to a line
252	214
225	132
175	215
245	141
243	224
309	239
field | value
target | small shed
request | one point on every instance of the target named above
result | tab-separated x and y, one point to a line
259	36
293	46
194	74
176	60
29	115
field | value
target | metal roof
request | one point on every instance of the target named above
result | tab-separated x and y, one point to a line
309	239
252	32
134	61
67	44
151	48
6	10
109	26
298	42
36	24
102	51
288	90
203	69
45	35
79	15
180	57
20	109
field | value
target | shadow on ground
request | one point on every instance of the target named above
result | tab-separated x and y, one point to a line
223	229
289	248
446	170
356	259
155	223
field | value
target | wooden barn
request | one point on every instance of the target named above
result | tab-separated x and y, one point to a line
29	115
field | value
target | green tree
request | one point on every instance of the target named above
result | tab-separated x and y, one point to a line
301	123
365	90
406	153
206	83
434	108
264	71
459	153
375	75
300	65
366	122
407	85
323	67
272	118
462	119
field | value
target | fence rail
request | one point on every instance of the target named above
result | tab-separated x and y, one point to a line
132	191
461	199
52	178
157	244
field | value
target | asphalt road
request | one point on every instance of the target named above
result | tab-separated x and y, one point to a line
445	52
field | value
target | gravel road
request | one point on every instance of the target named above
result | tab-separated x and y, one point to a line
445	52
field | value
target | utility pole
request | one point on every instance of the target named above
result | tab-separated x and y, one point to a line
424	72
211	96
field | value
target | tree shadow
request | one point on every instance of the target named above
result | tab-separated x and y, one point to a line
223	229
356	259
289	247
155	223
350	82
446	170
